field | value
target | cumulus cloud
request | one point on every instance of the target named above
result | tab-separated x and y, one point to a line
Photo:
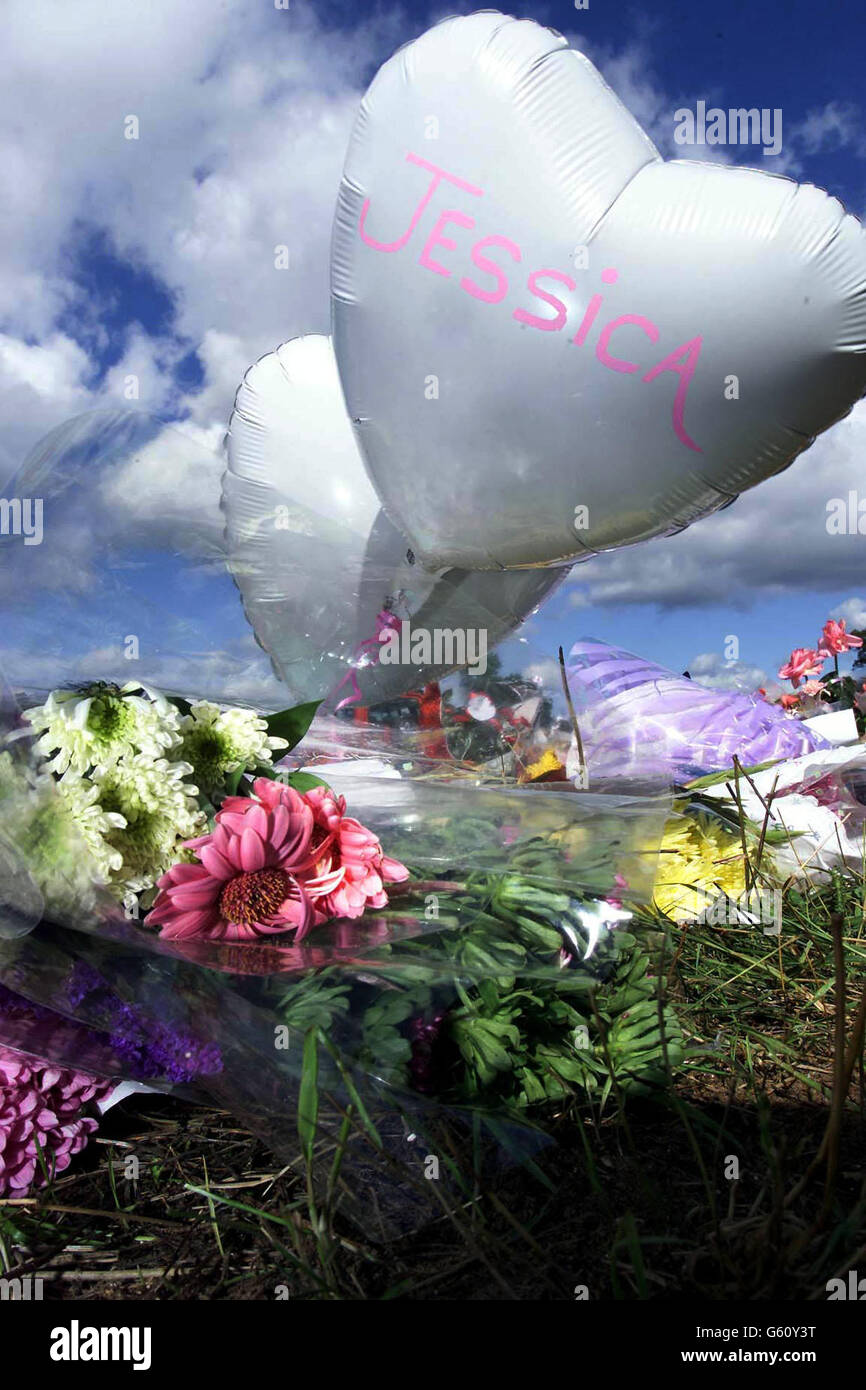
241	676
773	541
243	114
853	612
710	668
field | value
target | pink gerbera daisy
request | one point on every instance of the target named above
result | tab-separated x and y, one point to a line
246	882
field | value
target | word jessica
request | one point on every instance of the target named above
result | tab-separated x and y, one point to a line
734	127
22	516
445	646
682	361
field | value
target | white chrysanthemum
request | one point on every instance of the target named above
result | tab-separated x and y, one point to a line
101	723
159	810
59	840
220	741
79	798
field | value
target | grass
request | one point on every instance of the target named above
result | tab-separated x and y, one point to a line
744	1178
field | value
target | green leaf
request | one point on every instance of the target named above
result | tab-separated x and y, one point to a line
714	778
292	724
308	1098
304	781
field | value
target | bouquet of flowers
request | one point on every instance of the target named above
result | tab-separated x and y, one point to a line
209	914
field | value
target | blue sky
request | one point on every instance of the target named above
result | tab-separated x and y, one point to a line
153	257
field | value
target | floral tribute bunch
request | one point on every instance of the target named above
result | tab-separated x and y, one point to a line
508	979
187	823
46	1109
181	817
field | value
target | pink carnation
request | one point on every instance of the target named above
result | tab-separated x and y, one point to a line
41	1111
277	861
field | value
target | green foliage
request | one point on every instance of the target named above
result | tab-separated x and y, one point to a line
532	1043
292	724
516	1026
308	1099
316	1001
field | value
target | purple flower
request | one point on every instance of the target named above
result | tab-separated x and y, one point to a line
41	1112
147	1050
136	1046
425	1064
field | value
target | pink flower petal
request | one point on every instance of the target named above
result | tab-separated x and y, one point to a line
252	852
216	864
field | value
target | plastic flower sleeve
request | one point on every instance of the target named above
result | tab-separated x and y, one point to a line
642	724
471	993
503	974
815	808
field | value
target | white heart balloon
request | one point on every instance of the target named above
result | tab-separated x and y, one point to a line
550	340
318	563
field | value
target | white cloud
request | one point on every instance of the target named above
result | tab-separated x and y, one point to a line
244	113
853	611
711	669
836	126
54	368
171	482
243	676
772	542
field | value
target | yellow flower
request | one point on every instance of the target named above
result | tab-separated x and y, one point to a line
547	763
698	861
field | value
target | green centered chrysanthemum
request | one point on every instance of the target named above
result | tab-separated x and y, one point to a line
219	741
99	723
699	859
80	806
158	808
